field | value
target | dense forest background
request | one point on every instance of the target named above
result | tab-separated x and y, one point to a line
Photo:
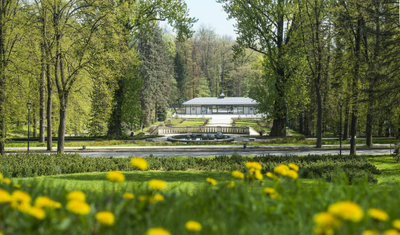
106	67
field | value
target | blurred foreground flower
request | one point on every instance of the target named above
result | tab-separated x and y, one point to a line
7	180
230	184
391	232
292	174
115	176
128	196
156	198
326	221
271	192
211	181
378	214
347	210
76	195
20	200
78	207
193	226
238	174
272	176
37	212
293	167
370	232
253	166
281	170
157	231
5	197
46	202
139	163
157	184
396	224
105	218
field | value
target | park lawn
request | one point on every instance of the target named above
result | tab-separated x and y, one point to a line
96	182
192	122
252	123
190	180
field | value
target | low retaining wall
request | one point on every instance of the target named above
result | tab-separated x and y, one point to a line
203	129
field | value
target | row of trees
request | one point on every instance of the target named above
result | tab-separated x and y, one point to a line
316	51
73	55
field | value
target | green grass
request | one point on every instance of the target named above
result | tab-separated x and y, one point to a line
243	209
189	122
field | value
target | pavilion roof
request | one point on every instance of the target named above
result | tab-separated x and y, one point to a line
221	101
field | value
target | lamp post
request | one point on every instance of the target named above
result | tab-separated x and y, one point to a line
286	118
116	120
29	106
340	128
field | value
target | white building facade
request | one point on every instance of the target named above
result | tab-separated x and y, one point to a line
220	105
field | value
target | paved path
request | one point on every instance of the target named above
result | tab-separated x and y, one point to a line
220	120
243	152
205	147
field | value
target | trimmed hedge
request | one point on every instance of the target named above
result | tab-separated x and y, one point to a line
357	168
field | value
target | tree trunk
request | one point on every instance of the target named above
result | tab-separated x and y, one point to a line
2	82
278	127
353	150
319	117
346	120
42	111
369	120
301	125
63	98
63	123
34	132
49	109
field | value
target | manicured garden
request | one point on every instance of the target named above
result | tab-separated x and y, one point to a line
257	198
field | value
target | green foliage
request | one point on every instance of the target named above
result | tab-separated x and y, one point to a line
328	167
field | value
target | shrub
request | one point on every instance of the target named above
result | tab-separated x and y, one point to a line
27	165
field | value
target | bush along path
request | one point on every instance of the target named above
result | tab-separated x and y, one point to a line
356	168
250	203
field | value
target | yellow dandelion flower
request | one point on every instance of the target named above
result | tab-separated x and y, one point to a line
238	174
139	163
292	174
253	166
258	175
211	181
347	210
1	176
157	184
76	196
1	233
293	167
78	207
281	170
18	197
271	192
323	231
17	186
37	212
378	214
272	176
115	176
105	218
156	198
46	202
326	220
391	232
230	184
395	223
5	197
7	180
128	196
157	231
370	232
193	226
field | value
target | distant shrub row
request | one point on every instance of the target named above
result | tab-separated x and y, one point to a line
357	168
